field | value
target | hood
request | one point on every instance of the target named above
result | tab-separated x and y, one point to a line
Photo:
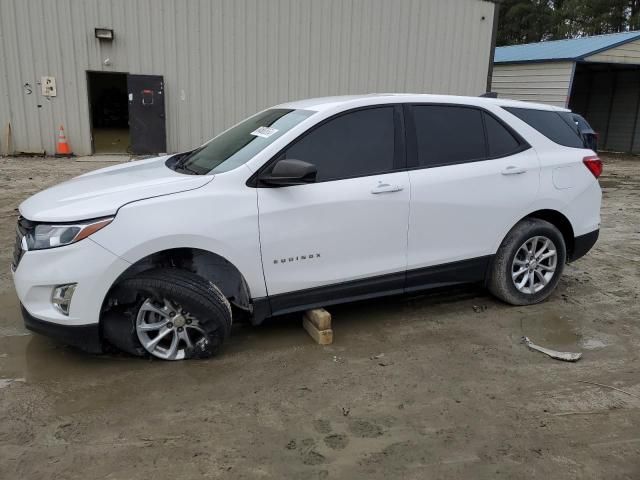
103	192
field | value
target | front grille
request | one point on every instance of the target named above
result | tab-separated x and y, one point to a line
23	227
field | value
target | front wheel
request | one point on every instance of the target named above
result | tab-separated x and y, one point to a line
176	315
528	264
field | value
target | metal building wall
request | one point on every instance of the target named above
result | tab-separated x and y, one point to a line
628	53
225	59
541	82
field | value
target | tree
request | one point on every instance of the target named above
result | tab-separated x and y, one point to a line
579	18
526	21
634	14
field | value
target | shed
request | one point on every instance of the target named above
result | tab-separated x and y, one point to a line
598	77
167	75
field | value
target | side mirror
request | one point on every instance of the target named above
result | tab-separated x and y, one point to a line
288	172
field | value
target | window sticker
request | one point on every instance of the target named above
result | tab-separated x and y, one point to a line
264	132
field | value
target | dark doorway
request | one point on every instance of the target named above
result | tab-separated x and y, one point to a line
608	96
109	112
146	114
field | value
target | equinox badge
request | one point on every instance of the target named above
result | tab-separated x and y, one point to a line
297	259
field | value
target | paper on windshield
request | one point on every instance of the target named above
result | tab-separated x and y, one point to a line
264	132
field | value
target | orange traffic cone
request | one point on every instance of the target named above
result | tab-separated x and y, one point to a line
63	149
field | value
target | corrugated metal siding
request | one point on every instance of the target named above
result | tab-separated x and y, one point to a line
600	95
629	53
225	59
610	101
623	111
547	82
581	91
635	138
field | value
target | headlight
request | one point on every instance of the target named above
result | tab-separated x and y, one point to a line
50	236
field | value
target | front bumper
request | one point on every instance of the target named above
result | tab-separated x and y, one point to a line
93	268
85	337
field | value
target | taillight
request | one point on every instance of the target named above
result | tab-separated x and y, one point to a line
594	164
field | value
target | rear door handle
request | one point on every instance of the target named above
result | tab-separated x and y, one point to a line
386	188
513	170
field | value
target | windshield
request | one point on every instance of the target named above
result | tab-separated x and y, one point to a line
239	144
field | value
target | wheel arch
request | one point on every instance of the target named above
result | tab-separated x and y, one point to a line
209	265
561	222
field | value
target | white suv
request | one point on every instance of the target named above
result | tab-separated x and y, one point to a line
308	204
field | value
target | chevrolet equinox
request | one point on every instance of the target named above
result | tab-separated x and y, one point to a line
308	204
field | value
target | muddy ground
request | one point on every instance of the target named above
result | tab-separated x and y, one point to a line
427	386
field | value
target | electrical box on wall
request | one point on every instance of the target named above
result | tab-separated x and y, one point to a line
48	86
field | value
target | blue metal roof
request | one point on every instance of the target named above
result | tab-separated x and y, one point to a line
571	49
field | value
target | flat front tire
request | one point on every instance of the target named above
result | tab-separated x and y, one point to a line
176	315
528	265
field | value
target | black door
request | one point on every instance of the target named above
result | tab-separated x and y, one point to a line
146	114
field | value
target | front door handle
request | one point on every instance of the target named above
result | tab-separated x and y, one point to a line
513	170
386	188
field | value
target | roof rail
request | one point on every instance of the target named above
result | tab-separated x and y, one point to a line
489	95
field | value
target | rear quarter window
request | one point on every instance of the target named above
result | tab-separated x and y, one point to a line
500	141
550	124
580	122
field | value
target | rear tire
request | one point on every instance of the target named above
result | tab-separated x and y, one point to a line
528	265
176	315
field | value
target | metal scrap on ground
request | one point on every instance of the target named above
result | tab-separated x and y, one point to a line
566	356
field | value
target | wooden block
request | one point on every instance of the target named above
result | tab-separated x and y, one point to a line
319	317
321	337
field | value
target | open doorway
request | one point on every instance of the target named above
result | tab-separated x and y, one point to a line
109	109
608	96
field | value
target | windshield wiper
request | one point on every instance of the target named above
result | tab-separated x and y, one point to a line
180	164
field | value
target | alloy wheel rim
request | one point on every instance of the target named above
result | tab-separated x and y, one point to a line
534	265
166	330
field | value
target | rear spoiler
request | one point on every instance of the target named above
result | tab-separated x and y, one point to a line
489	95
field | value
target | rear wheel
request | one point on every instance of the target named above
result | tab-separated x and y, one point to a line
528	264
176	315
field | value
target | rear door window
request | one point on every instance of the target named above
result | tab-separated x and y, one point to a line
355	144
551	124
446	135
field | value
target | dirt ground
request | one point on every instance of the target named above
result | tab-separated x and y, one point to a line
427	386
